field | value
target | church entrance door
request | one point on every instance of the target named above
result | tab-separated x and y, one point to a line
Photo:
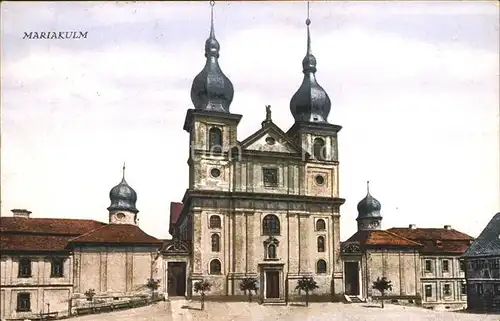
272	284
351	274
176	278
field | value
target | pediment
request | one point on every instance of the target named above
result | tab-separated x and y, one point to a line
270	138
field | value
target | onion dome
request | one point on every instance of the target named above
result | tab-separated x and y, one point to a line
311	102
123	197
211	89
369	206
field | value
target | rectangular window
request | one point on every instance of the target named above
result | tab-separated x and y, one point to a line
57	268
23	302
24	268
428	290
462	266
447	290
479	288
446	266
428	266
497	289
463	288
270	176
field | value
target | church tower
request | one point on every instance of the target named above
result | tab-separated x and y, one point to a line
211	126
369	217
123	198
310	107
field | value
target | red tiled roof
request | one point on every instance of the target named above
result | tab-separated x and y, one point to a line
430	233
175	212
118	234
381	238
48	225
33	242
437	240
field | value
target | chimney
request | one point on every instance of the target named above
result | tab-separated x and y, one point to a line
21	213
412	226
447	227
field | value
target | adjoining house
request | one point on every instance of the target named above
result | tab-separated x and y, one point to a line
423	264
47	264
442	272
372	252
482	262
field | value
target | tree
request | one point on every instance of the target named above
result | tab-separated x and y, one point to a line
306	284
153	284
382	285
89	294
249	284
202	287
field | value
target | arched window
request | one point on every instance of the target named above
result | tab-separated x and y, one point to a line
321	244
320	225
319	149
271	251
271	225
215	139
215	221
321	266
215	243
215	267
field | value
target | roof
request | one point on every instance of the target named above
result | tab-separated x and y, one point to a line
117	234
381	238
436	240
175	212
27	242
48	225
488	242
430	233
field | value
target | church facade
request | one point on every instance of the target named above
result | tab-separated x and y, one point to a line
266	206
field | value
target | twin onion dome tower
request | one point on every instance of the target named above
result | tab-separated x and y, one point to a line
213	92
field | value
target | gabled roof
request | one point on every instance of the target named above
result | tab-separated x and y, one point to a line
381	238
52	226
488	242
117	234
436	240
269	128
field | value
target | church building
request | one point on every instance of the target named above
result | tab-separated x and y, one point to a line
265	206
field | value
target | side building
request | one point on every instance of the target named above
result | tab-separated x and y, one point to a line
48	264
482	262
373	253
442	273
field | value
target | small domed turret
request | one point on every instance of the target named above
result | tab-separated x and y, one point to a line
369	216
123	197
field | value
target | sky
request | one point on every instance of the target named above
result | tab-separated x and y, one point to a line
415	86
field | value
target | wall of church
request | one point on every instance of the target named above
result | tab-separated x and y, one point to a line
242	250
114	271
400	267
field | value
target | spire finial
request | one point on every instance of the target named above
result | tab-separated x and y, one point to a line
368	187
212	32
123	171
308	22
309	62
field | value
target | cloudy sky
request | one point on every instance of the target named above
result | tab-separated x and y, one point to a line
414	85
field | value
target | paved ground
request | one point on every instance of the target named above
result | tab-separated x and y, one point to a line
181	310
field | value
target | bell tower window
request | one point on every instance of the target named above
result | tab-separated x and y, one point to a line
215	140
319	149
